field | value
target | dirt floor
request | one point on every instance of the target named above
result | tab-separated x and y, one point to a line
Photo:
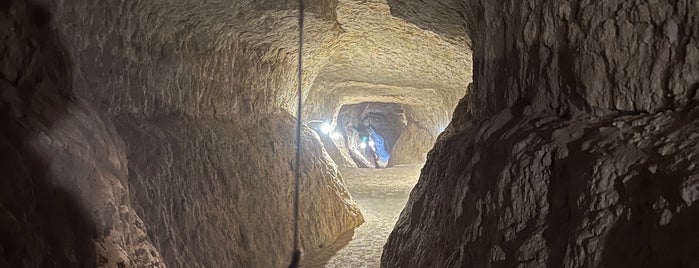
381	195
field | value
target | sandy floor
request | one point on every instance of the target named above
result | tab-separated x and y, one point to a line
381	195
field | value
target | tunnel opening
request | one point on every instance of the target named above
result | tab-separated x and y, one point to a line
378	104
370	131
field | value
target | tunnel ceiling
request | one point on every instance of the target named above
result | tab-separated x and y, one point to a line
379	57
380	49
375	56
346	41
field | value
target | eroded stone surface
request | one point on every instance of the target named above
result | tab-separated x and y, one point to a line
214	192
575	146
153	133
64	199
544	191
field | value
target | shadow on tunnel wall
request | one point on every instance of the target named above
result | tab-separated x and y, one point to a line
41	225
437	15
648	237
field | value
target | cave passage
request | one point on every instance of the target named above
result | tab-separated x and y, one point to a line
369	132
162	133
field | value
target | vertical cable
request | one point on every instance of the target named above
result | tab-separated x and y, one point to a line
297	174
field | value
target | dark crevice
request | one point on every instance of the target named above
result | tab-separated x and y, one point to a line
570	82
512	247
568	183
43	222
638	240
692	97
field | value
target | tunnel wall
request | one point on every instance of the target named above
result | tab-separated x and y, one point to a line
412	146
64	199
424	123
158	139
575	146
228	188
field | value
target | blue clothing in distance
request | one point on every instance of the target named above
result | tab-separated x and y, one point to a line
380	146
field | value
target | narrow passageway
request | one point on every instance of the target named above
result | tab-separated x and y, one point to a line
208	133
381	195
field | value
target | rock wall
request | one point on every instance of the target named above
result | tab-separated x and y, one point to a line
575	146
424	123
229	190
412	146
153	133
64	199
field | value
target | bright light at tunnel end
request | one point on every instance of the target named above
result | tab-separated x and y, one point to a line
326	128
362	145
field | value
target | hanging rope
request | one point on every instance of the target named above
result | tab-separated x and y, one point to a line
296	258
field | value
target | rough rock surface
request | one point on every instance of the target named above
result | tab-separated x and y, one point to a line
153	133
64	196
423	126
576	145
214	200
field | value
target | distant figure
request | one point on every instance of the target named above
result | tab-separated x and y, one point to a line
379	147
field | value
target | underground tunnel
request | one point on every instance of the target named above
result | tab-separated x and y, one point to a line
445	133
367	132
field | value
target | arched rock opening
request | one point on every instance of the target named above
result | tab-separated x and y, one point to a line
369	131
